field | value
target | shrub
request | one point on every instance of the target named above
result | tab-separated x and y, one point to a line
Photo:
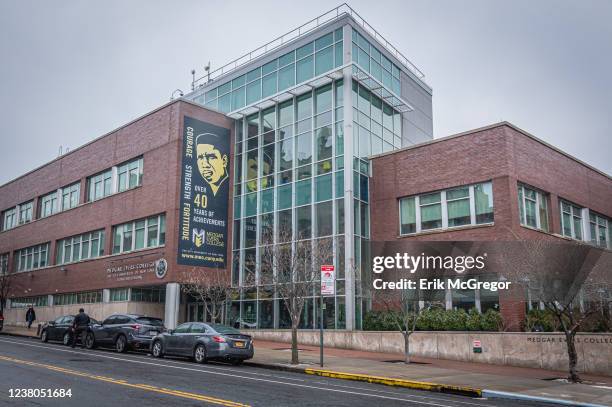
437	319
540	320
455	320
473	322
491	321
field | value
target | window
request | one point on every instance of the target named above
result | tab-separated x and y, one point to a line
25	212
129	175
4	259
156	295
24	302
70	196
533	208
83	297
119	294
284	72
100	185
600	227
571	220
32	258
431	211
460	206
139	234
49	204
9	219
81	247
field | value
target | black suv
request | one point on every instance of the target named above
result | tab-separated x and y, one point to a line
124	332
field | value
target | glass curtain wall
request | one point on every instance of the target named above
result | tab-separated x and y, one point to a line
289	174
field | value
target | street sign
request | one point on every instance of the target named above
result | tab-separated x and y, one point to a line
328	280
477	346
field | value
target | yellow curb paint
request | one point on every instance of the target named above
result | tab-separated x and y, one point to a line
389	381
176	393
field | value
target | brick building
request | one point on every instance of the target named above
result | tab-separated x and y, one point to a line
493	183
66	226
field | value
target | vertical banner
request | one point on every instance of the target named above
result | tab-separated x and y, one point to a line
205	168
328	280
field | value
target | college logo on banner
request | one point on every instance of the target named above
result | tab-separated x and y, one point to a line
204	194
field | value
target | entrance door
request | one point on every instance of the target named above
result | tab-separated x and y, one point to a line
196	312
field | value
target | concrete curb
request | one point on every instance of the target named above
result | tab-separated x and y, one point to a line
494	394
389	381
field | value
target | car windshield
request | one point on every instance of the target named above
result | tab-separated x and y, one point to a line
150	321
224	329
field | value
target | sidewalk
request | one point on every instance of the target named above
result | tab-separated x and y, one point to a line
364	365
526	381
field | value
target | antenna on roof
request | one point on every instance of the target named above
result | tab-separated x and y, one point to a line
193	79
60	151
207	69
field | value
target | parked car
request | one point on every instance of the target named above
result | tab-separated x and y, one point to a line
124	332
203	342
60	329
1	321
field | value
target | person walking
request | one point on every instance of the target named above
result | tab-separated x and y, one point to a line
30	316
79	326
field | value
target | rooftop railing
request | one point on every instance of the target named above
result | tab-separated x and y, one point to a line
334	14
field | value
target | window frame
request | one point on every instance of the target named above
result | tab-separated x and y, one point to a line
119	230
540	197
444	209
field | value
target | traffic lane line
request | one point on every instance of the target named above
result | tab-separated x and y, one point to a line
171	392
406	398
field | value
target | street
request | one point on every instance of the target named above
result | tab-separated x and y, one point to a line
102	377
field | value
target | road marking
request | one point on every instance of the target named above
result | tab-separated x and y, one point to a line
218	373
177	393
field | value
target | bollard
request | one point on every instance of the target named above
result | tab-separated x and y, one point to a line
38	330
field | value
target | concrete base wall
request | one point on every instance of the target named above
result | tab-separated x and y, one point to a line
536	350
99	311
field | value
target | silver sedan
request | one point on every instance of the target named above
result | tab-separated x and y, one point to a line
203	342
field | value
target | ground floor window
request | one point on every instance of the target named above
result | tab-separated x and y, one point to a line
24	302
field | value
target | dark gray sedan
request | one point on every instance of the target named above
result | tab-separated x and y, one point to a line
203	342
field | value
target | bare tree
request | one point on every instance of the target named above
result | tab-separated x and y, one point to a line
212	288
6	279
291	266
573	281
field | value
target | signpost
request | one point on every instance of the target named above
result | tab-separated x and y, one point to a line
328	287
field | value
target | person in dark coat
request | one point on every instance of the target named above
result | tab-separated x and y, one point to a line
30	316
79	326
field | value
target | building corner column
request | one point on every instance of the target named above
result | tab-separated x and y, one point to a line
173	299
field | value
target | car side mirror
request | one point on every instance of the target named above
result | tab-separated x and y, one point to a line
171	331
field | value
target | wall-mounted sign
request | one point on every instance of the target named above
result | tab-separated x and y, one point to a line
205	168
138	271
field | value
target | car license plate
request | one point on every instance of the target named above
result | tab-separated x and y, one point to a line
239	344
152	333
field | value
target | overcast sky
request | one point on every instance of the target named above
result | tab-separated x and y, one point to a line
72	71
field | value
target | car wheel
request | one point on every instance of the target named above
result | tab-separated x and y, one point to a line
157	350
199	354
237	362
43	336
121	344
66	339
90	341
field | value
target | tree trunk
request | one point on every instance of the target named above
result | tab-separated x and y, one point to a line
294	345
406	347
572	356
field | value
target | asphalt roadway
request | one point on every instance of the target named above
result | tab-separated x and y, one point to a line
103	377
